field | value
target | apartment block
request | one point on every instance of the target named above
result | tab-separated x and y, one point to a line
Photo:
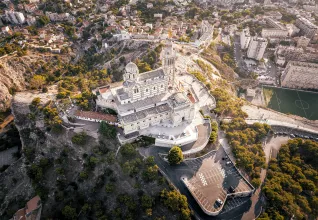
257	48
306	27
245	38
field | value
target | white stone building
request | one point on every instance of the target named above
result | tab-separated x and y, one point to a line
277	31
245	38
306	27
257	48
15	17
301	75
148	99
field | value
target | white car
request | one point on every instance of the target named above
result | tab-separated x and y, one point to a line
219	201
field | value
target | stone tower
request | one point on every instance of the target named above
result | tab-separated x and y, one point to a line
169	60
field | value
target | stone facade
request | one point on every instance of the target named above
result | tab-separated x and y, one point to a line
148	99
306	27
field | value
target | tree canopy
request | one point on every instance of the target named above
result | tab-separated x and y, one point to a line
292	180
107	130
175	155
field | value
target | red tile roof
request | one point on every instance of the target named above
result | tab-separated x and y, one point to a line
191	98
32	204
103	90
96	115
20	214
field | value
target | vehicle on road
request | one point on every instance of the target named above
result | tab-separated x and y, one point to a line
219	202
231	189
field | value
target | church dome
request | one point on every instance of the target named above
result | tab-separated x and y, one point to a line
132	68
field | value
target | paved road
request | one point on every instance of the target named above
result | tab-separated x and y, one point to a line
232	210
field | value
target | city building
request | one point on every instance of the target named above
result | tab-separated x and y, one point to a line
274	14
205	34
306	27
277	31
32	210
292	30
245	38
303	42
148	99
300	75
15	17
257	48
274	33
284	54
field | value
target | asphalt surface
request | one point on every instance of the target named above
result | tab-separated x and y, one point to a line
233	209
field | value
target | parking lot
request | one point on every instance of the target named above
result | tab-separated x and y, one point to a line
294	133
214	179
234	203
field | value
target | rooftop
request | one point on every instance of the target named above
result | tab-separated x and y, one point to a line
152	74
144	113
96	115
307	22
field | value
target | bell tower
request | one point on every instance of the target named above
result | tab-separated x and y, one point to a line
169	59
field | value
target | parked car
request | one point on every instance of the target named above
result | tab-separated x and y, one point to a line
231	189
219	201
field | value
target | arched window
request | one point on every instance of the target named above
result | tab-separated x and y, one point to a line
136	90
154	88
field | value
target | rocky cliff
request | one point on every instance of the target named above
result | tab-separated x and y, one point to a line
15	73
87	179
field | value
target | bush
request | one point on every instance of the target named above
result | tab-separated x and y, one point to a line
128	150
79	139
110	187
69	212
83	175
107	130
213	137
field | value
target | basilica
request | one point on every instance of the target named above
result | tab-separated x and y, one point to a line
148	99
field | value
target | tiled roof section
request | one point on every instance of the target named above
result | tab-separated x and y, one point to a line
103	90
152	74
191	98
122	94
20	215
96	115
33	204
144	113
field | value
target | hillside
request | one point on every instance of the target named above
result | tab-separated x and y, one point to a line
16	72
81	177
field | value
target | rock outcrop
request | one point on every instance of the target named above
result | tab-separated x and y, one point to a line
15	73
